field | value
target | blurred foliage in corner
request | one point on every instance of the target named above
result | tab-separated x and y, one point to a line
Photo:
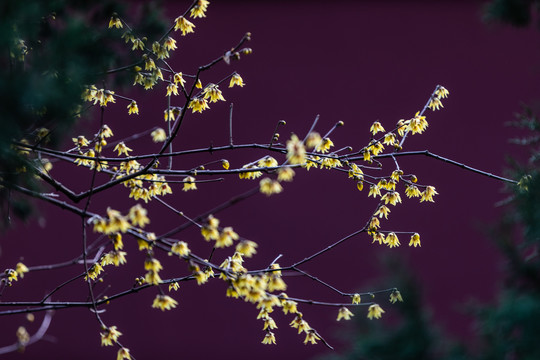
49	51
514	12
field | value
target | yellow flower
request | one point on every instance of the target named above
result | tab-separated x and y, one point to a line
435	103
378	237
199	9
210	229
180	248
289	306
225	164
137	44
395	296
198	105
115	22
164	302
198	84
236	79
269	338
149	64
123	353
412	191
374	190
184	25
324	146
389	139
160	51
158	135
392	240
172	88
441	92
383	211
110	335
21	269
247	248
174	286
296	152
269	323
415	240
285	174
344	313
249	174
417	124
356	299
122	149
311	337
267	161
179	79
115	258
137	216
428	193
376	127
269	186
133	108
391	197
11	274
212	92
80	141
375	311
170	43
189	183
226	238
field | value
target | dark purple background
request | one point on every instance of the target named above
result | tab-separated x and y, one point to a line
352	61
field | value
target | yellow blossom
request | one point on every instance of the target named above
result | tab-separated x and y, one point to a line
392	240
412	191
249	174
212	93
184	25
289	306
417	124
356	299
415	240
180	248
324	146
199	10
374	190
428	193
133	108
269	338
395	296
311	337
172	88
441	92
225	164
375	311
269	323
80	141
236	79
170	43
247	248
285	174
296	152
376	127
174	286
389	139
198	105
382	211
179	79
158	135
11	274
267	161
378	237
110	336
164	302
344	313
435	103
123	353
94	272
189	183
115	258
391	197
122	149
115	22
226	238
269	186
21	269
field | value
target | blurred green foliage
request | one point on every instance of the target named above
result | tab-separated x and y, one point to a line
50	50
